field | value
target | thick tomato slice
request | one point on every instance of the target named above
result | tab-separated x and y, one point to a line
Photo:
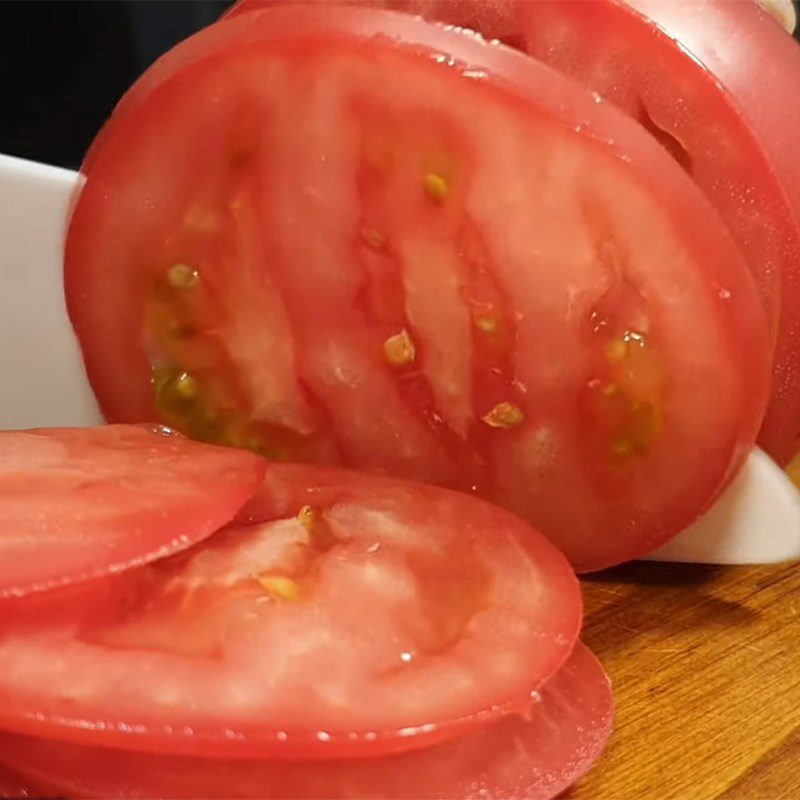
758	63
13	787
535	757
77	503
560	324
685	70
382	617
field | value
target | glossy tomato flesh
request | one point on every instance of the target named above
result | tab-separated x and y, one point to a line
535	756
13	787
358	275
77	503
715	82
757	62
349	615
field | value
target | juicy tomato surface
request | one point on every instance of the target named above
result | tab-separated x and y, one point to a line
13	787
758	63
382	617
535	757
77	503
359	275
685	71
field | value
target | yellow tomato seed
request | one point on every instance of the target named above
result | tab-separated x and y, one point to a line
186	386
436	186
399	349
505	415
488	324
182	276
616	350
306	516
280	587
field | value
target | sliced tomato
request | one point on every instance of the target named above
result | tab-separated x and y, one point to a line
536	757
730	39
685	70
77	503
560	324
12	787
382	617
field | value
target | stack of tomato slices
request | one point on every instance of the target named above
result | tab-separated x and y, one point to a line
277	631
353	237
554	274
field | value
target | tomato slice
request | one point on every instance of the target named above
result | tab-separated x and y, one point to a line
12	787
77	503
536	757
561	324
685	71
384	616
729	39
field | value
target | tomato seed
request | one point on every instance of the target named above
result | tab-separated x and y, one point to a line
399	349
505	415
436	186
182	276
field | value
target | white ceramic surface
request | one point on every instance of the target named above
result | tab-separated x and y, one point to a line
756	521
43	383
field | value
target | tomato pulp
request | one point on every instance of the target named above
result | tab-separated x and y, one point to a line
684	70
360	275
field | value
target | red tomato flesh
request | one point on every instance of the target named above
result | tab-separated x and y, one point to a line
384	616
758	63
560	324
685	71
536	757
12	787
77	503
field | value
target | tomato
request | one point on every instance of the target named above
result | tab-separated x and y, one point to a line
76	503
350	614
688	77
536	757
13	787
685	70
730	38
561	324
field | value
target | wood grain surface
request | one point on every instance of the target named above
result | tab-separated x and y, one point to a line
705	663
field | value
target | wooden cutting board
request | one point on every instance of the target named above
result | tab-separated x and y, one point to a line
705	663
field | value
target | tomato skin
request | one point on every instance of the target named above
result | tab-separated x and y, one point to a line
395	594
125	393
532	759
79	503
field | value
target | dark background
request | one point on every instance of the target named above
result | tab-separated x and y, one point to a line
65	63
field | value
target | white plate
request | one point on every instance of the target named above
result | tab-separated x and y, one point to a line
43	383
